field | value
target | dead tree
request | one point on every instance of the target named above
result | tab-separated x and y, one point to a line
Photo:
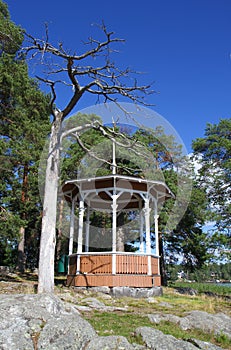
107	82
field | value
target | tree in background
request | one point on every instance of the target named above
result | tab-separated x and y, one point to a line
213	153
188	244
24	126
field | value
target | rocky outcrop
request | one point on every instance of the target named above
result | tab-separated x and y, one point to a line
157	340
41	322
36	322
217	323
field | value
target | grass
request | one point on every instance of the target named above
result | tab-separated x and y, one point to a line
210	298
117	323
212	288
125	324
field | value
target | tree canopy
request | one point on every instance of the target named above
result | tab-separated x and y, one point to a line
24	112
213	153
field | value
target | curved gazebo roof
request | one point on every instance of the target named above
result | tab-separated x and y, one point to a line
97	192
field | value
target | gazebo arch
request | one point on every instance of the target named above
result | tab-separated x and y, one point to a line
114	193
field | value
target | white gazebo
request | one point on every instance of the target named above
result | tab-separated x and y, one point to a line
113	194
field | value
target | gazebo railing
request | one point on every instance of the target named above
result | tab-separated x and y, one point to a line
102	263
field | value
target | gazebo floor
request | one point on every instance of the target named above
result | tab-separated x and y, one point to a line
118	280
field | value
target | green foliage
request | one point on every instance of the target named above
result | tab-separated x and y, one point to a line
24	122
9	235
11	36
73	155
213	153
209	288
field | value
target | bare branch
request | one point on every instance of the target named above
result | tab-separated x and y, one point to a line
104	80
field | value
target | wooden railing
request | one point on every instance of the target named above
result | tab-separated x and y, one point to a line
101	263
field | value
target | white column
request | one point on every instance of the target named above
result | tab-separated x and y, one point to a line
156	234
72	227
141	231
80	233
87	230
148	238
114	208
156	217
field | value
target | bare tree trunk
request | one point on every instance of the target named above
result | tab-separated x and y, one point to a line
162	262
21	244
48	234
120	233
21	250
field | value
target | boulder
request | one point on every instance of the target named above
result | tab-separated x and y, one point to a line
110	343
218	323
41	321
157	340
136	292
44	322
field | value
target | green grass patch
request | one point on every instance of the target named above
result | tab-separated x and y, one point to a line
115	323
125	324
171	328
213	288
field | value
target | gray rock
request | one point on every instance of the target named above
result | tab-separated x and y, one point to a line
102	289
204	345
94	303
152	300
157	318
186	290
66	332
166	305
218	323
4	270
156	340
44	322
30	321
110	343
83	308
136	292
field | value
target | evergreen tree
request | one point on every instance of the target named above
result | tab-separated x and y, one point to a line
24	124
213	152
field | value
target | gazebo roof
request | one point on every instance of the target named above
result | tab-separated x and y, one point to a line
97	192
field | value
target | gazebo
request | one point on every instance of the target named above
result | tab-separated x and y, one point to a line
114	193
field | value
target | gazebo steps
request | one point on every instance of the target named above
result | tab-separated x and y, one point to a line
118	280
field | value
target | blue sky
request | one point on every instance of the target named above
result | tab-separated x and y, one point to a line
183	46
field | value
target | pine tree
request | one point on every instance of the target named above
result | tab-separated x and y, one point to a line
24	112
213	152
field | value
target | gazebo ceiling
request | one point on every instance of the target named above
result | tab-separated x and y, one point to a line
97	192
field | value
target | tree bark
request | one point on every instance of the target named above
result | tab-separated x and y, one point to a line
21	244
120	233
48	234
21	250
162	262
